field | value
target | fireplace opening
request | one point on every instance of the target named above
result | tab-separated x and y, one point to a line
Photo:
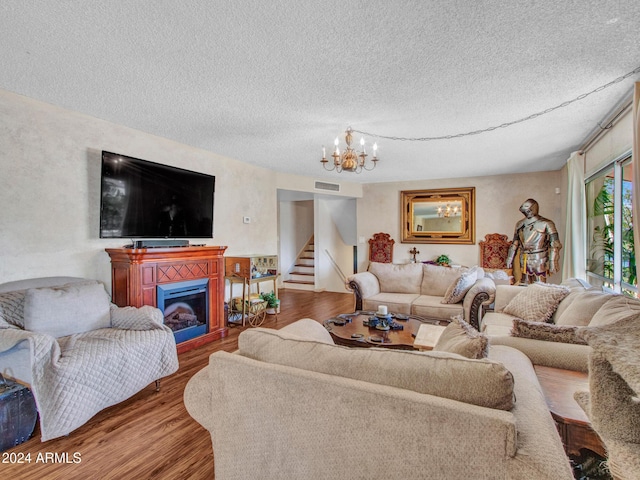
185	306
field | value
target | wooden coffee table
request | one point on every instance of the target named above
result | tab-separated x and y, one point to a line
558	386
348	329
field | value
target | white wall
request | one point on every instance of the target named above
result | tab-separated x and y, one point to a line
296	183
296	228
498	199
50	195
329	238
50	191
344	214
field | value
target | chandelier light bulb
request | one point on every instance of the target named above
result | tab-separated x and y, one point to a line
350	160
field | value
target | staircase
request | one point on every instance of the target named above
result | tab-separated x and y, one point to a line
302	276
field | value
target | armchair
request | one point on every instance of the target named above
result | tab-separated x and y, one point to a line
78	352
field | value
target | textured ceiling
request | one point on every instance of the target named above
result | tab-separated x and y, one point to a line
269	83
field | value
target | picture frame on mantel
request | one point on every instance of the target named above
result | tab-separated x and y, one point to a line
444	216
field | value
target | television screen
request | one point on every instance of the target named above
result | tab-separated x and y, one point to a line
148	200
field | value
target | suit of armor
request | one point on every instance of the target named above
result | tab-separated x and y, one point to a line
537	240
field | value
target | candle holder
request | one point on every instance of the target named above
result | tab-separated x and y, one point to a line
349	160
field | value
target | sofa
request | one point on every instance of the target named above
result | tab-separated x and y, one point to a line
555	314
77	351
611	404
292	404
585	329
426	290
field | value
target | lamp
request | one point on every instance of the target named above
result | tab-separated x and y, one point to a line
349	160
448	211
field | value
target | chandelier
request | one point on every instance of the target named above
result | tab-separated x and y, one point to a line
349	160
448	211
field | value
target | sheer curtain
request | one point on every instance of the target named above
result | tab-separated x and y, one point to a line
636	171
575	260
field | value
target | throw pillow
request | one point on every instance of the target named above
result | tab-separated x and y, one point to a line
546	331
461	338
567	301
618	307
436	279
582	308
483	382
460	286
537	302
397	277
12	308
68	309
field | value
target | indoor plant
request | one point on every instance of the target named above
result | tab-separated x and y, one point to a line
443	260
273	303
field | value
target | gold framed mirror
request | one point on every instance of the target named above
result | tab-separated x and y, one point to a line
445	215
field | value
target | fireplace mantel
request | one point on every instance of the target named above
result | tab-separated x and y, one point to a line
136	273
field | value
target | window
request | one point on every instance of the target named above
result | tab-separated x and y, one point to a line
610	257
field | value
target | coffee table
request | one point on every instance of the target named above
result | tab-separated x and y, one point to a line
348	329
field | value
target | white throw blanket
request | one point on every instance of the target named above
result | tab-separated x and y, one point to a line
75	377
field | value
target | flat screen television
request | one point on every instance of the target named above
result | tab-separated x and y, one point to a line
143	199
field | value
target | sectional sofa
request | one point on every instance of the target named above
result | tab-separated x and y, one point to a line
554	341
291	404
588	330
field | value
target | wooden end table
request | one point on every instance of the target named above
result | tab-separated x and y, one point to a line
558	386
354	333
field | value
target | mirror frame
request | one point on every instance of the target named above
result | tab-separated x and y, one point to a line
467	235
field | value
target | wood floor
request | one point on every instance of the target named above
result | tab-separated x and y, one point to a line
151	435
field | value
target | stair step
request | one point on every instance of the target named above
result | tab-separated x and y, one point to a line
301	278
299	282
303	270
308	286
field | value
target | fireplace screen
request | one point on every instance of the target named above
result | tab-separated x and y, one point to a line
185	308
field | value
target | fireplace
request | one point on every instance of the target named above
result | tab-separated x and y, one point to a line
185	306
136	274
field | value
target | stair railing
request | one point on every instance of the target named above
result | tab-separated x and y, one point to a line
338	269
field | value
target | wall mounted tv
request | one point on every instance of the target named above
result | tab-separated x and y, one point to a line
142	199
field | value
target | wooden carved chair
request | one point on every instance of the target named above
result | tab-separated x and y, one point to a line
493	253
381	248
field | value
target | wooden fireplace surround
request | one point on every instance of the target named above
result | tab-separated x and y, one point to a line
136	272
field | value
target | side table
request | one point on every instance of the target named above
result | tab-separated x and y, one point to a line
252	310
558	386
